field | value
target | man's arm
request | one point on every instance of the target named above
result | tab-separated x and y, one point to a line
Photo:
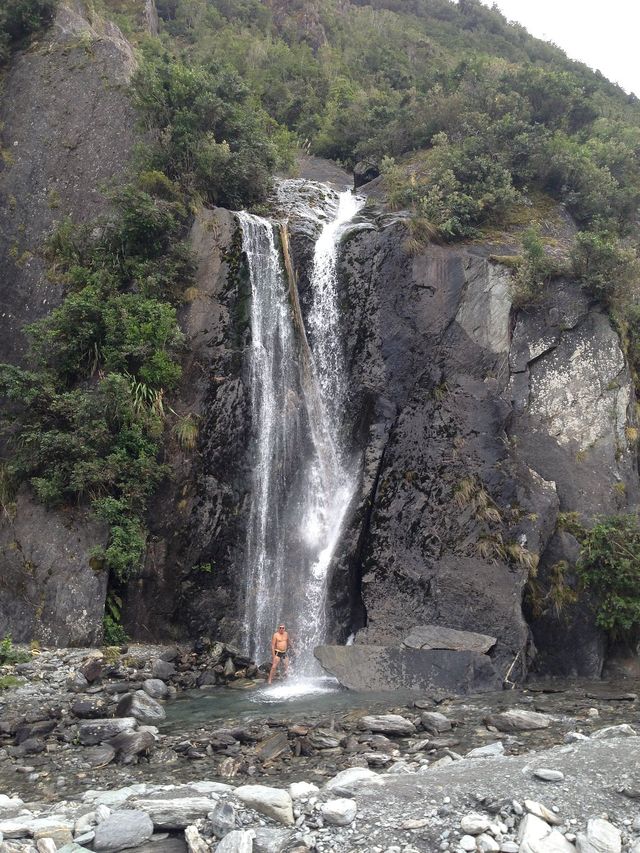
273	645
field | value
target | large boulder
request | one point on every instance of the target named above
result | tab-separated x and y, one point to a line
121	830
141	706
387	668
273	802
439	637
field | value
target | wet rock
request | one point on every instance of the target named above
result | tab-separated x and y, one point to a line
97	731
229	669
272	747
437	637
100	756
339	812
392	724
365	171
92	670
223	819
272	802
89	709
600	837
128	745
238	841
123	829
174	813
516	720
156	688
434	722
162	669
141	706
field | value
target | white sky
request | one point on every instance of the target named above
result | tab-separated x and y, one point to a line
604	34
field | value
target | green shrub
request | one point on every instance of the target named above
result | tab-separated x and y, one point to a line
10	655
607	269
20	18
609	565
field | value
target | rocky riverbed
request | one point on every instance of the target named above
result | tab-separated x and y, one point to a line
149	741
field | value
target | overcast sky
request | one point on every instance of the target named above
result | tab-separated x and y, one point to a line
605	34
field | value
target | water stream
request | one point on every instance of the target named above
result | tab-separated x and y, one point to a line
304	475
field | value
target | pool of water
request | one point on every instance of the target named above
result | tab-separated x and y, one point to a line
300	698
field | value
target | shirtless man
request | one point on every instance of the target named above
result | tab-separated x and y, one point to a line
280	645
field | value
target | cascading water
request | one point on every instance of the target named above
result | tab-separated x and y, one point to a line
304	479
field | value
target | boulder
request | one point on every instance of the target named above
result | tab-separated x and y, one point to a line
489	750
123	829
516	720
162	669
623	730
434	722
92	669
361	667
600	837
141	706
300	790
270	840
347	782
127	745
531	832
89	709
238	841
155	687
176	812
223	819
390	724
272	802
339	812
97	731
437	637
195	842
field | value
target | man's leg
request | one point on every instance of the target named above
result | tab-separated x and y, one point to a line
286	665
274	666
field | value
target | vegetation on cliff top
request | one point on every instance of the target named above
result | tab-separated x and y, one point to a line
18	20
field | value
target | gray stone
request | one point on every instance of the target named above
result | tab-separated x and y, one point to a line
174	813
162	669
347	782
623	730
490	750
600	837
223	819
541	811
47	845
25	826
128	745
438	637
238	841
273	802
487	844
517	720
475	824
270	840
97	731
88	709
391	724
195	842
548	775
156	688
434	722
59	835
467	843
369	667
339	812
531	831
141	706
554	842
123	829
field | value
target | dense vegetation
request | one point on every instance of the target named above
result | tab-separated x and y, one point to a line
19	19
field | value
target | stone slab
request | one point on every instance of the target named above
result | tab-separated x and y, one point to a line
387	668
439	637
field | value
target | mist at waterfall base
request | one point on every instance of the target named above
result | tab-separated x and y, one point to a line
304	474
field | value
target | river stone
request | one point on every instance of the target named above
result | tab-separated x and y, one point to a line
270	840
517	720
339	812
97	731
195	842
490	750
487	844
364	667
89	709
348	781
623	730
59	835
437	637
272	747
435	723
238	841
474	824
92	669
123	829
174	813
24	826
223	819
548	775
128	745
162	669
391	724
600	837
320	739
300	790
141	706
155	687
273	802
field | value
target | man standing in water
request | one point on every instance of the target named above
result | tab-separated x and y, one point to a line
279	647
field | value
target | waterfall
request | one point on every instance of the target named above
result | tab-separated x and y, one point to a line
303	476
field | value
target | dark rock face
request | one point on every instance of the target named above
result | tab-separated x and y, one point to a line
385	668
68	127
365	171
48	589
